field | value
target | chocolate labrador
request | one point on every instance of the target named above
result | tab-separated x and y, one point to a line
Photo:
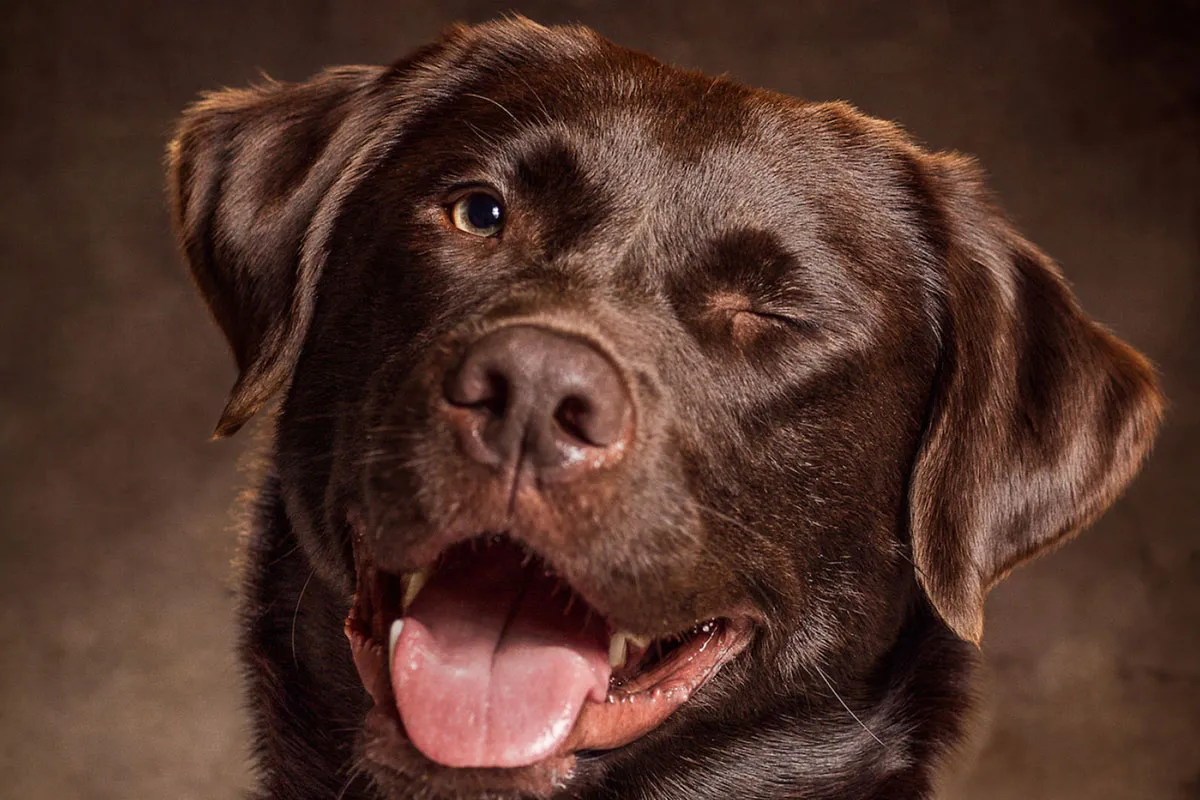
642	435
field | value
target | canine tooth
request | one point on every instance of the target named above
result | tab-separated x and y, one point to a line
413	586
617	649
393	635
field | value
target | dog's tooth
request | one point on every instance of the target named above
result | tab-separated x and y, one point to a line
617	649
413	586
393	635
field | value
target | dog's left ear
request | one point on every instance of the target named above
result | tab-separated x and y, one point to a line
1040	416
251	176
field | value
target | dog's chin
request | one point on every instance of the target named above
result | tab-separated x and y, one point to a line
561	681
397	766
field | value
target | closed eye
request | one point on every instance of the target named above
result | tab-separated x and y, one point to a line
749	325
771	316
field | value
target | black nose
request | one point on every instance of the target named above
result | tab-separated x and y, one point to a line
529	395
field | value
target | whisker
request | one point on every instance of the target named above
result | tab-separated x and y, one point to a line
296	614
493	102
849	711
488	140
538	97
725	517
356	770
903	551
282	556
381	458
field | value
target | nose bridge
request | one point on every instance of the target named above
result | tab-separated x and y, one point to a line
528	396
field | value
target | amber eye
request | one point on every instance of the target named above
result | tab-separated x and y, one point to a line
478	213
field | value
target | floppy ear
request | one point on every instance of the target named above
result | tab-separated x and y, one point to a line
1040	416
250	175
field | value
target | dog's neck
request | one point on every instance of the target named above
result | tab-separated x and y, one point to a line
303	679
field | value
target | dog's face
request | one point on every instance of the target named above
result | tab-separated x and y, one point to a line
615	391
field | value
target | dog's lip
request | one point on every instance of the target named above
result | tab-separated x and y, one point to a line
634	707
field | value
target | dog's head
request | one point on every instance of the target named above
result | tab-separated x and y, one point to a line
613	389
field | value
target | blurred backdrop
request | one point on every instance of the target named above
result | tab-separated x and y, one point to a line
117	678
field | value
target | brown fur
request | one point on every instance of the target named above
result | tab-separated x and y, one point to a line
861	397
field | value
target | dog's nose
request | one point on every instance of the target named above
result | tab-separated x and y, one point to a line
529	395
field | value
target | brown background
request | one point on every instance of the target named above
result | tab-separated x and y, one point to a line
116	671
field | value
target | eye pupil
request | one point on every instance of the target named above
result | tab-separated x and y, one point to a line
483	211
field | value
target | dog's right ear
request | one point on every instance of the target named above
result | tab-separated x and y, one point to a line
251	173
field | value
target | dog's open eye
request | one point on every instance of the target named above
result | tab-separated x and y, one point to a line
478	213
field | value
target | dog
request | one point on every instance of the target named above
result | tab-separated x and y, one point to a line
642	434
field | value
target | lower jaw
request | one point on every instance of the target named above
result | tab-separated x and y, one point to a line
396	764
630	712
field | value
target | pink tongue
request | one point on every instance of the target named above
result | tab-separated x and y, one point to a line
491	669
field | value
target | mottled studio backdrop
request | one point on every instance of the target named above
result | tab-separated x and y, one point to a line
116	671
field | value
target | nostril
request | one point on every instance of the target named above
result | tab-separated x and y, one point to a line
481	387
573	416
497	391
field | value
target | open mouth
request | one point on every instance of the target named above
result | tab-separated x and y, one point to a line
489	660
